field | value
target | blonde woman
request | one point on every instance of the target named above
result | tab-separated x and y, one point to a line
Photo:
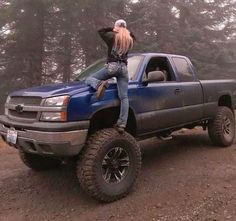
119	41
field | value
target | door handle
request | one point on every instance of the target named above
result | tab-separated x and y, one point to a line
178	91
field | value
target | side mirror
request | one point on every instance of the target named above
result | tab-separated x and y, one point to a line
154	76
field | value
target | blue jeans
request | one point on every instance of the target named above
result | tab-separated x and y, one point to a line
118	70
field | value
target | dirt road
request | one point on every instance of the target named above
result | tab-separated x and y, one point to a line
183	179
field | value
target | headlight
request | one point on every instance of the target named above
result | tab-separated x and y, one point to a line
53	116
56	101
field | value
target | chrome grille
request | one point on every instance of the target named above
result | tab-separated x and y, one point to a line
24	114
25	101
31	101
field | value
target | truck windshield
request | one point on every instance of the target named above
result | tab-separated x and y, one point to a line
133	64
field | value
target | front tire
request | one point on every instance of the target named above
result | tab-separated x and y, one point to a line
109	165
222	129
37	162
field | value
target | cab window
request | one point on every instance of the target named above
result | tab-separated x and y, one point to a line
183	69
160	64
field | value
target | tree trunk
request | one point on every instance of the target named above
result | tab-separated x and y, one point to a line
39	44
67	57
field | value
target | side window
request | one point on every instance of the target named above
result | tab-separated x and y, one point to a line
160	64
184	71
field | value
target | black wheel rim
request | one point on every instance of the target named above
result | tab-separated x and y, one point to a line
227	127
115	165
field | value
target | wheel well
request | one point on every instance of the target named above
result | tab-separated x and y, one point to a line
226	101
106	118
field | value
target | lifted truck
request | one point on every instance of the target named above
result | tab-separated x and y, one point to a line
50	123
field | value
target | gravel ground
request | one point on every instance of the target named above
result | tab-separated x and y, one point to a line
186	178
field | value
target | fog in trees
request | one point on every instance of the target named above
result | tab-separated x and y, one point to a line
46	41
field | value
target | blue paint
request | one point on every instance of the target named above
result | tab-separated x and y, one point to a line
83	103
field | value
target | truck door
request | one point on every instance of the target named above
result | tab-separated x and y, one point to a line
160	103
191	89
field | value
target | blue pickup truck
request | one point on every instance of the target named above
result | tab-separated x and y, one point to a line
51	123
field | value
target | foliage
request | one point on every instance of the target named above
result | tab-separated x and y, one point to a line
43	41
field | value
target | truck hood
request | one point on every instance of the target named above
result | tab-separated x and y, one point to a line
53	89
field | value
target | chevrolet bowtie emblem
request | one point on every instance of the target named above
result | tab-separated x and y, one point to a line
19	108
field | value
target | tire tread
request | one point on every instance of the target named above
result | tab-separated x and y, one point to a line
215	128
85	167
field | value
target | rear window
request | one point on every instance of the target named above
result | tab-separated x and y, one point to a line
184	71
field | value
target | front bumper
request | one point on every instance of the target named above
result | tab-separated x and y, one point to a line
55	139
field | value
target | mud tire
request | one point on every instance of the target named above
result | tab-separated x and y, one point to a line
90	166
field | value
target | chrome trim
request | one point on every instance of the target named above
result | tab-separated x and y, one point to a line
36	108
46	126
72	141
22	119
74	137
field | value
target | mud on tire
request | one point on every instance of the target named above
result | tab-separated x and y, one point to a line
109	165
222	129
37	162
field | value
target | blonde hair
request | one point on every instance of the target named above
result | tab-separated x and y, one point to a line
123	40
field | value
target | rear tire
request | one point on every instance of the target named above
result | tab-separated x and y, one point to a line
222	129
37	162
109	165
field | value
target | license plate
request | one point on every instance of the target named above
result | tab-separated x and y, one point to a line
11	136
